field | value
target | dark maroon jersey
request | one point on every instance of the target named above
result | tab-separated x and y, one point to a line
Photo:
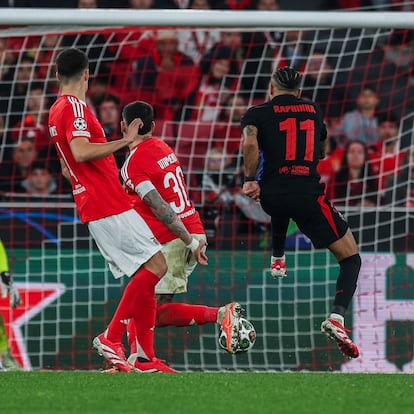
289	133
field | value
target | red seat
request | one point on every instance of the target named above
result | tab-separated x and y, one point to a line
193	140
166	131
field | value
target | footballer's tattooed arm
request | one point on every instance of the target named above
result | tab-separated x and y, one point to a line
251	156
250	150
163	211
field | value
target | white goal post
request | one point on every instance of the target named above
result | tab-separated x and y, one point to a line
206	18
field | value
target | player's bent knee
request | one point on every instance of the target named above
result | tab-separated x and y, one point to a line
157	265
345	247
164	298
353	261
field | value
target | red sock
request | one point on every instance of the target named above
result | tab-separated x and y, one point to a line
116	327
144	310
137	302
183	314
132	337
177	314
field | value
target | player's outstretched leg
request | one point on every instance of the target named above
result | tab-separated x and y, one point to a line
334	329
229	317
113	352
143	365
278	267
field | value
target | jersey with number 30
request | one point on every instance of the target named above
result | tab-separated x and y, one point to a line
153	164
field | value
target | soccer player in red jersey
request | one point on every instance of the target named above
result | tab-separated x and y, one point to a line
283	141
154	179
121	234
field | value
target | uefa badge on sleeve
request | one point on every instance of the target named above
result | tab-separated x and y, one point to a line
80	124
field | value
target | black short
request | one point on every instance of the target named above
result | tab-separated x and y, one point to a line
314	215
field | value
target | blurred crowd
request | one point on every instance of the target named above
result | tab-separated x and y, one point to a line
200	82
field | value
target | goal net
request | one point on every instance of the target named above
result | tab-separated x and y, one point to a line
199	93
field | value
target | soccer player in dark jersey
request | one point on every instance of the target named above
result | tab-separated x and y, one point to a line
283	142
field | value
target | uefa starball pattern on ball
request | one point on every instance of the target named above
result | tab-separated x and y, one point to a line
247	336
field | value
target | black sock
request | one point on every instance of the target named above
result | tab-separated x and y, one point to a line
279	229
346	283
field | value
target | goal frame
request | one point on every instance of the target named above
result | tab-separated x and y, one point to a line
206	18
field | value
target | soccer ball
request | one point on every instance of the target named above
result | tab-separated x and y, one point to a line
247	336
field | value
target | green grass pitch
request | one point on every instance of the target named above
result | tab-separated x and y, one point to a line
86	392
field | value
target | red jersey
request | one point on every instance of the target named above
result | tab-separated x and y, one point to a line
385	163
153	161
96	188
